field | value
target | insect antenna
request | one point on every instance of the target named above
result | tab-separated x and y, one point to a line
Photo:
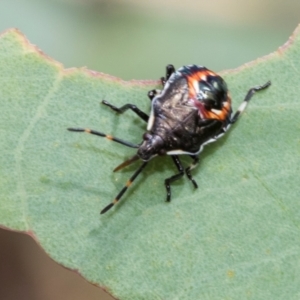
124	189
126	163
109	137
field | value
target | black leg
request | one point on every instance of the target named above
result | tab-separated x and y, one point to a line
249	95
169	71
124	189
125	107
174	177
153	93
109	137
191	167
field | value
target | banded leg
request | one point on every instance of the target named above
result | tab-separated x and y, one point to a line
174	177
109	137
125	107
249	95
169	71
124	189
191	167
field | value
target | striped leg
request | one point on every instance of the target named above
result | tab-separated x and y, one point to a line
249	95
125	107
178	164
191	167
124	189
109	137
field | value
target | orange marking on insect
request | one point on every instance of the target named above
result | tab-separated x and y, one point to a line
217	114
87	130
195	78
115	201
128	183
109	137
201	74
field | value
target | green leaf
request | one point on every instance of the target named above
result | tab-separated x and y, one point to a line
236	237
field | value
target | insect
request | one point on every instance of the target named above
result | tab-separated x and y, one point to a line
192	110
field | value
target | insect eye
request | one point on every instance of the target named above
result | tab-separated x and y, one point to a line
147	136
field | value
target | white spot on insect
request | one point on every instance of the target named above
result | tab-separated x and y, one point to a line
180	152
216	111
177	98
210	141
201	95
151	117
216	85
196	86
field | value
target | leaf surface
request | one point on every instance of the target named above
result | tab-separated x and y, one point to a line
236	237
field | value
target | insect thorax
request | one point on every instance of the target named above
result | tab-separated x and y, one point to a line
176	119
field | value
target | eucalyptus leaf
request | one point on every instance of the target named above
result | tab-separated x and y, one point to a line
235	237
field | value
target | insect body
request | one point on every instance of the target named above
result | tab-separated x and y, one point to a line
192	110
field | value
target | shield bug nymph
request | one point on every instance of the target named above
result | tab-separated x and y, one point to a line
192	110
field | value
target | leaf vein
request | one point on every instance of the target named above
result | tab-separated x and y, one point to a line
18	151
